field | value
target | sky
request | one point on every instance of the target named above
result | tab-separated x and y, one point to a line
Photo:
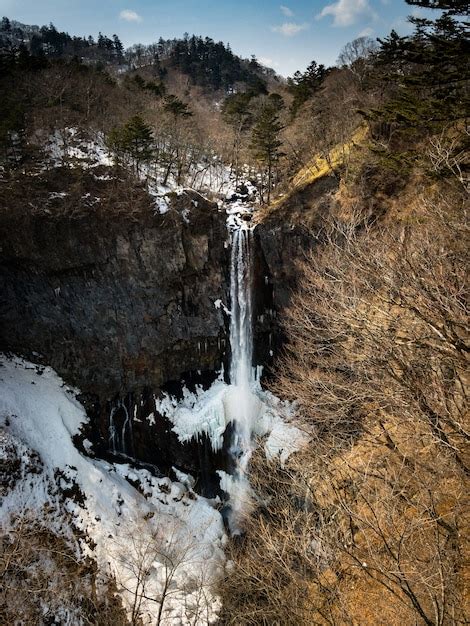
286	37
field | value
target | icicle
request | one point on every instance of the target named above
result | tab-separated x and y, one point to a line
126	426
112	431
118	442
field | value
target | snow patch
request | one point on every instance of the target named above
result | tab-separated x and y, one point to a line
123	510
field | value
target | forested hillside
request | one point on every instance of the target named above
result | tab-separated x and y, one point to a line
218	256
369	524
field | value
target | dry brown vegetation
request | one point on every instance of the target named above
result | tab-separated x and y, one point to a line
369	524
43	580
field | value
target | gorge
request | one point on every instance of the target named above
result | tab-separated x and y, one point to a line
165	330
188	405
234	316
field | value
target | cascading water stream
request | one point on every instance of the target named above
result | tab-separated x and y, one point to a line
241	405
244	404
241	322
120	440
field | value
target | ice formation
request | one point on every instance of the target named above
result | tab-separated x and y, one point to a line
39	417
252	411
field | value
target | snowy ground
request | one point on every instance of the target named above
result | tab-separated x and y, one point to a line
129	518
163	526
213	176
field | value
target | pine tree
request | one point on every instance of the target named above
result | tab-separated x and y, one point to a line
176	107
118	48
5	25
431	72
265	139
303	86
426	78
134	141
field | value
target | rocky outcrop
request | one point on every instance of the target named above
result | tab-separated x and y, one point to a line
115	305
283	239
118	305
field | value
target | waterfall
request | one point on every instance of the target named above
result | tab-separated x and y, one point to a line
241	320
241	405
242	402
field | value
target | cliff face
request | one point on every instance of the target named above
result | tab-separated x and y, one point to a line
120	307
115	305
284	236
289	231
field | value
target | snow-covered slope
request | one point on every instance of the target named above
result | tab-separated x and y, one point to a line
77	148
131	521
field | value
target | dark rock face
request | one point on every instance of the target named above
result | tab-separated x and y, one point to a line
118	307
122	306
148	438
283	239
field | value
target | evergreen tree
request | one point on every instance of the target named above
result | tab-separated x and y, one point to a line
158	89
425	77
211	64
134	140
5	25
118	48
430	70
176	107
236	110
139	81
304	85
265	139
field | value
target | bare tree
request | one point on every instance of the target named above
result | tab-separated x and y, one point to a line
45	579
161	565
367	524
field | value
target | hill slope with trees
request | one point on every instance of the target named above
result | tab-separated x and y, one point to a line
369	524
367	165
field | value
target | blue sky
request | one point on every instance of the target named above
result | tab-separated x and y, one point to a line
285	36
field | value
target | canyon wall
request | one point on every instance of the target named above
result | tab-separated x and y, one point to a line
124	306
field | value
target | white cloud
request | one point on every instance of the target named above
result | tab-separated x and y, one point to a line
268	62
366	32
286	11
130	16
289	29
348	12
